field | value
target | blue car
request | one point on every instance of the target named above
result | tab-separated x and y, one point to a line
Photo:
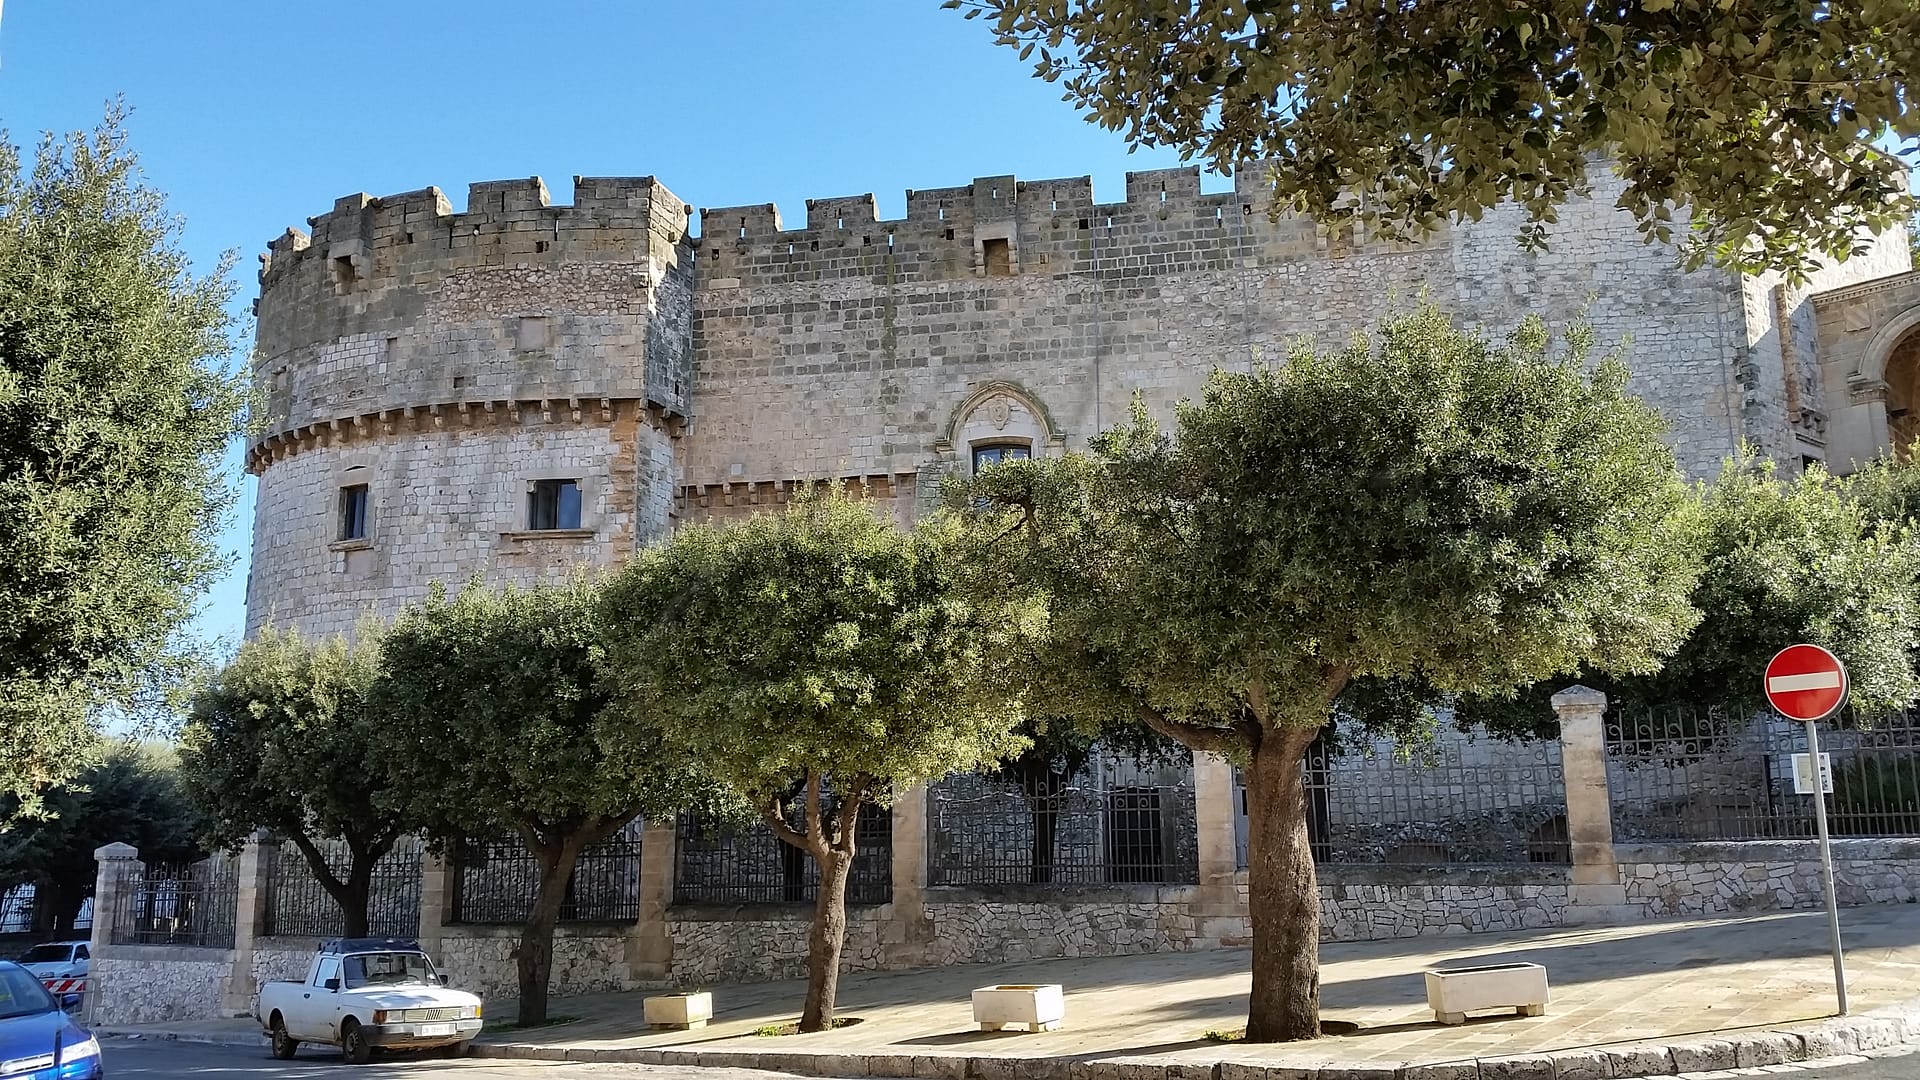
38	1040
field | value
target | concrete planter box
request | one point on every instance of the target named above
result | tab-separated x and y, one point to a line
1452	993
1041	1007
679	1011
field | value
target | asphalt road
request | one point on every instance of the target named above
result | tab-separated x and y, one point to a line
192	1061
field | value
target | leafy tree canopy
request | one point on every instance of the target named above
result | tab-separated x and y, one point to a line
1344	532
115	411
1756	116
132	795
501	692
820	651
1806	558
286	739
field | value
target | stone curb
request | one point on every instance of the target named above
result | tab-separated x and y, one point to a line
205	1038
1707	1052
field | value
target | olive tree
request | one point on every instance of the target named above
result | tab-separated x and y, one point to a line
117	402
1759	117
1418	507
500	693
817	650
285	738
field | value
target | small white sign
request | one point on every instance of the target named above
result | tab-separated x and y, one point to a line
1803	774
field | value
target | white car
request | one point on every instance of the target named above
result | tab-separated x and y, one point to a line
61	967
362	993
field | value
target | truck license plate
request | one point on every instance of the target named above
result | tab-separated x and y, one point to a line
437	1029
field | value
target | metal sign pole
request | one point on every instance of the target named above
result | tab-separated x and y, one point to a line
1826	864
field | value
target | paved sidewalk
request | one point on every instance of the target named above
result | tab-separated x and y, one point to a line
1660	983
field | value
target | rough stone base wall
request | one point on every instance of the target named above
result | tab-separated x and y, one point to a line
1372	903
977	931
485	960
1669	880
712	946
150	984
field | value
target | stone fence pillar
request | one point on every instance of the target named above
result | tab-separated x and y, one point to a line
1598	895
436	902
649	946
907	939
1219	916
249	918
117	865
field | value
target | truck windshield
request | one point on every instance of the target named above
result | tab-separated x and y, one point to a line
388	969
47	954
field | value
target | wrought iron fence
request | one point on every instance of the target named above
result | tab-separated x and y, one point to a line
726	863
1466	798
190	904
297	905
1114	821
495	880
1688	773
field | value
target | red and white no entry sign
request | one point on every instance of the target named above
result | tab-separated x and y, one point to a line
1806	682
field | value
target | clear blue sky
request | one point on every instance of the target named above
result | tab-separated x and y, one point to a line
254	114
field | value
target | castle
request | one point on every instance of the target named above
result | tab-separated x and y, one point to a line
525	387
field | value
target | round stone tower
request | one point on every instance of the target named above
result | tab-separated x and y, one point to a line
497	392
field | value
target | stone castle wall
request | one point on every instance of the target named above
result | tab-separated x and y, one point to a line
452	354
448	361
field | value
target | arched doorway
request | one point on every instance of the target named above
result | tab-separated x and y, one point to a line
1903	393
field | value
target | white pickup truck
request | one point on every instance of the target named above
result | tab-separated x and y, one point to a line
366	992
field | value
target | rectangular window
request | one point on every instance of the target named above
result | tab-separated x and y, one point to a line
555	504
353	512
999	257
984	456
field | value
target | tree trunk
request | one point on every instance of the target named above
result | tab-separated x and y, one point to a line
1284	896
536	937
359	896
828	936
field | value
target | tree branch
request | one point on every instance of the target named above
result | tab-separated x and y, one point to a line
774	812
1334	680
849	816
1216	740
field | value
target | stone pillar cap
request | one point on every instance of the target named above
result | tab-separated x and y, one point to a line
1578	696
115	851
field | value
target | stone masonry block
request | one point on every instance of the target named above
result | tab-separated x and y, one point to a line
890	1065
1831	1039
1705	1055
938	1067
1518	1067
1640	1060
1765	1048
1581	1065
1443	1070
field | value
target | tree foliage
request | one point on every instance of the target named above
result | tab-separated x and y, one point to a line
1787	559
132	795
1419	508
115	412
816	650
1756	116
286	738
500	693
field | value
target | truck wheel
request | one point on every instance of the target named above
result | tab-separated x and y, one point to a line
284	1045
354	1045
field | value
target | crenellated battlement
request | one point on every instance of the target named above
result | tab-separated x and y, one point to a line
1001	224
611	219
